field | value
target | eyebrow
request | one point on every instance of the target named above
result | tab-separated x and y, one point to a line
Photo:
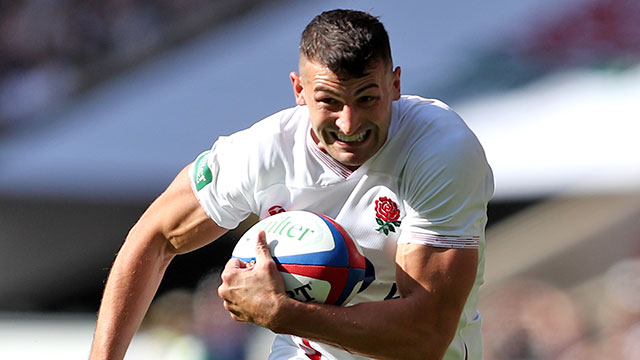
366	87
362	89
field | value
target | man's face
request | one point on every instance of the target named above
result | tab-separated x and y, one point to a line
350	117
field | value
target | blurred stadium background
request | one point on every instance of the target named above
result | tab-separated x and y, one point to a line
102	102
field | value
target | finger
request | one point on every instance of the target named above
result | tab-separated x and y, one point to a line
234	263
263	252
222	293
227	305
231	270
235	314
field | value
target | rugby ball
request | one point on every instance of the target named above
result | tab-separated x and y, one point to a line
318	259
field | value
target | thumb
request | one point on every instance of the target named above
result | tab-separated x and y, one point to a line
263	252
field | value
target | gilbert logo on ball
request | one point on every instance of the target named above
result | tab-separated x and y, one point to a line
318	259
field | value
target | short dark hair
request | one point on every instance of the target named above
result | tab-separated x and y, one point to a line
346	41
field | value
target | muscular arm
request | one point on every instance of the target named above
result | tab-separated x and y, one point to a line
174	224
434	284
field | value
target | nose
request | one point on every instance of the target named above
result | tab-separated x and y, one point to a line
348	121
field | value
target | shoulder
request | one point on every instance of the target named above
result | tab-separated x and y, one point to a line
263	152
408	102
436	144
426	116
270	133
445	179
430	128
282	122
412	105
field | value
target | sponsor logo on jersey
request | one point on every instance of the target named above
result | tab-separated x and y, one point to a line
202	173
387	215
276	209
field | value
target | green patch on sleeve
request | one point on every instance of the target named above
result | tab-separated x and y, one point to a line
202	173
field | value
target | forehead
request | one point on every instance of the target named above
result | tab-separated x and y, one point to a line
315	73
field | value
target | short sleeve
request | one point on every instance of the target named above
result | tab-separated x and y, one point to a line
220	183
447	185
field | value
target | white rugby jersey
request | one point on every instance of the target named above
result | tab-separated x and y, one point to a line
429	184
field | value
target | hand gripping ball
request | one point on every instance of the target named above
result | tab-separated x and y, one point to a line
318	259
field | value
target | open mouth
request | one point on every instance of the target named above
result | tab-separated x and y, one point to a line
355	138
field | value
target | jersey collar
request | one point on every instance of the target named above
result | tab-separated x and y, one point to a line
337	167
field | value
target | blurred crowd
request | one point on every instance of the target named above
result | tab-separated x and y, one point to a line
523	319
601	31
193	325
530	319
51	49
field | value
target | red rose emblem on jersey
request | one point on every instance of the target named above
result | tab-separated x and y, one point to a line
387	210
387	215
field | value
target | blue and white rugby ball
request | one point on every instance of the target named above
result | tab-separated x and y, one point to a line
318	259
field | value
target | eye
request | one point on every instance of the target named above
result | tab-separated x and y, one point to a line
367	99
327	101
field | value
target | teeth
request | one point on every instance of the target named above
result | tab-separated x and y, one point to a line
356	137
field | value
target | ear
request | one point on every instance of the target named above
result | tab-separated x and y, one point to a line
298	89
396	83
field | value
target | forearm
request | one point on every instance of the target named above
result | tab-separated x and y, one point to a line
132	284
392	329
434	284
